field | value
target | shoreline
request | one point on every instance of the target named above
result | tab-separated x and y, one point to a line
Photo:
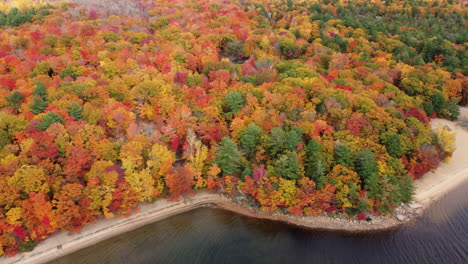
430	188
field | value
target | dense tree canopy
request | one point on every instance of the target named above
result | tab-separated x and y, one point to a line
301	106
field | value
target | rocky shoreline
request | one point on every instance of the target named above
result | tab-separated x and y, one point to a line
330	222
408	211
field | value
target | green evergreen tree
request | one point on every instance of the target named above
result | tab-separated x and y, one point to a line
438	101
3	19
428	108
366	168
40	90
14	100
48	120
371	185
15	18
314	164
38	106
353	193
287	166
292	138
228	157
276	141
318	173
250	139
11	15
312	147
76	110
392	143
343	155
406	188
280	140
233	103
453	111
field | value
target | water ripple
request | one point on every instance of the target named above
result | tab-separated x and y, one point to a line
216	236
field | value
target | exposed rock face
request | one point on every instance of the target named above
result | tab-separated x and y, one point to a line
401	217
414	205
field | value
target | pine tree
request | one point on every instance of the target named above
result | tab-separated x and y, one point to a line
406	188
319	173
250	139
428	108
293	138
438	101
366	168
14	100
343	155
280	141
452	109
233	103
276	141
38	106
76	110
3	19
228	156
40	90
314	164
372	186
48	120
287	166
393	144
313	147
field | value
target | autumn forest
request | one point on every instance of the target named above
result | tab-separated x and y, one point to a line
300	107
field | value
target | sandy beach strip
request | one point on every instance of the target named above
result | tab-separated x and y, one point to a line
429	188
434	185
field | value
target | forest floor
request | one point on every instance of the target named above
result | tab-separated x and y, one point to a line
429	188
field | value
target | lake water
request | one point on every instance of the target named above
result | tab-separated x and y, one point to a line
217	236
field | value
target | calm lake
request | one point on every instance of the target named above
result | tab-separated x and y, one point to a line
217	236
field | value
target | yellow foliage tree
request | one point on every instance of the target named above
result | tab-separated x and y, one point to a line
131	155
101	186
446	140
29	178
14	215
142	183
344	179
288	190
160	160
9	195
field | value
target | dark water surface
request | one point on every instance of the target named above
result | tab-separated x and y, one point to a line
217	236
